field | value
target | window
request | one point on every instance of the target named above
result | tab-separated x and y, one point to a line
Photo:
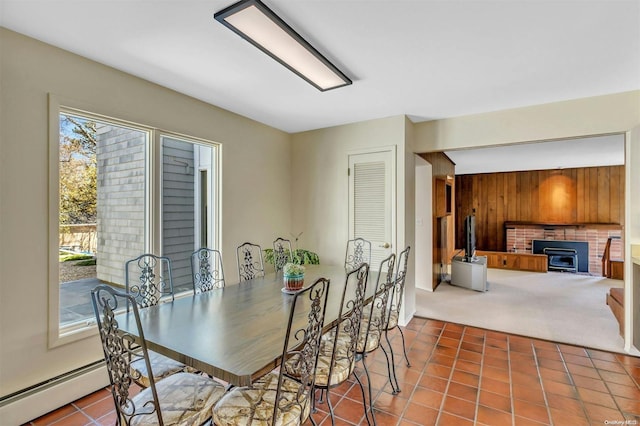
186	196
111	179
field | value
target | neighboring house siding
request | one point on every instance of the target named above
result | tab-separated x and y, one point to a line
121	199
178	211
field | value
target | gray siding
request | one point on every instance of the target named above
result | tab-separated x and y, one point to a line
121	195
178	211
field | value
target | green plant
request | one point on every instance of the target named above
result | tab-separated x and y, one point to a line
300	257
293	269
67	257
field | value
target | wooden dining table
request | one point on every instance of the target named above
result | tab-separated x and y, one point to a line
236	333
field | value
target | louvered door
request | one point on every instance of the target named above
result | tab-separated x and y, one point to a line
372	201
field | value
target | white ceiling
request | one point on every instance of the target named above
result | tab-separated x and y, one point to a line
427	59
585	152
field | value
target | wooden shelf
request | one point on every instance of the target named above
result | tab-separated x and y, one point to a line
443	197
515	261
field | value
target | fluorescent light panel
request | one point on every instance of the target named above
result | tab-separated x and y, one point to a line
256	23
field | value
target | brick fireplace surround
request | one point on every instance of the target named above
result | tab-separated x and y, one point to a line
521	234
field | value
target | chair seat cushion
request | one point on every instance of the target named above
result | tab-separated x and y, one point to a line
254	405
161	365
365	344
342	368
186	399
393	316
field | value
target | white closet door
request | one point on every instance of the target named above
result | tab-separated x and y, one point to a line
372	203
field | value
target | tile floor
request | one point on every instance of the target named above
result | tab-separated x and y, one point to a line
463	375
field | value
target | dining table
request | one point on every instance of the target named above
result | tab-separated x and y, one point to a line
235	333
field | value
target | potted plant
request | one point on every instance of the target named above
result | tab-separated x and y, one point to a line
299	256
293	276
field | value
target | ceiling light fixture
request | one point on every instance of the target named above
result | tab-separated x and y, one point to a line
259	25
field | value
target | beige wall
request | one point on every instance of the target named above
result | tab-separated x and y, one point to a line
320	185
597	115
407	213
320	180
255	186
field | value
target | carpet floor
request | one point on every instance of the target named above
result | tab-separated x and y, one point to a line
556	306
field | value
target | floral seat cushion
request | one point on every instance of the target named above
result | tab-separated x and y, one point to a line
372	342
185	400
254	405
342	367
161	365
393	316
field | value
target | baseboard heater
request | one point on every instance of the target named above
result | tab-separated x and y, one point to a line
32	402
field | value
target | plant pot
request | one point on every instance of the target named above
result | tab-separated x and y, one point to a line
293	282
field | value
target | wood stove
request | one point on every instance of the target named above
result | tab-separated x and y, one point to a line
562	259
575	260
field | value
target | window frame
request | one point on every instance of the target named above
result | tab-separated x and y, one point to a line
61	335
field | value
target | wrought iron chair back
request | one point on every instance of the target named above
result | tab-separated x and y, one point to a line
343	344
250	263
349	317
358	252
393	316
377	320
206	270
282	253
153	281
398	288
311	304
120	350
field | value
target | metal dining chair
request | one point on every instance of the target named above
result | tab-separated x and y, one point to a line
393	314
148	281
250	263
277	398
282	253
374	323
336	361
181	399
206	270
358	252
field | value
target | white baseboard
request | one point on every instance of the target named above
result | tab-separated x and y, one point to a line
32	404
407	318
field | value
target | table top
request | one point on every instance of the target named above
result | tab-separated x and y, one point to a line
235	333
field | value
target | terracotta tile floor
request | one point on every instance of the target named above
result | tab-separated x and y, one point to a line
464	376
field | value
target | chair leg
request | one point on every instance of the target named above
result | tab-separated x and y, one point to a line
404	348
313	401
330	405
391	366
364	400
373	416
313	422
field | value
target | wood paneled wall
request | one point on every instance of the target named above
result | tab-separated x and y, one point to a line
443	225
567	196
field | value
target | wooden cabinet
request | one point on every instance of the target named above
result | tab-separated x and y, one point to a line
443	193
515	261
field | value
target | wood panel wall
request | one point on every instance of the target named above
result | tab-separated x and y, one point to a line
443	226
567	196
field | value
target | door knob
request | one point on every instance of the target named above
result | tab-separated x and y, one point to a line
386	245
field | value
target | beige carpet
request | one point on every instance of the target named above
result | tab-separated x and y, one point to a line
561	307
